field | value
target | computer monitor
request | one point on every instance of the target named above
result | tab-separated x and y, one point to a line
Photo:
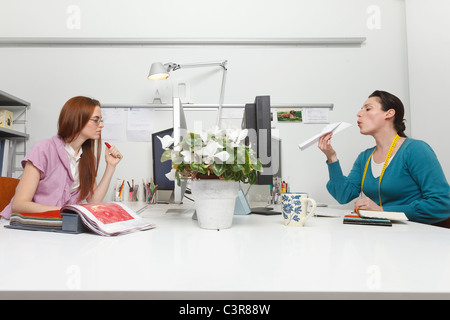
179	131
257	120
161	168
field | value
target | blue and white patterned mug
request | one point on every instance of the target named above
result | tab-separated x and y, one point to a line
294	207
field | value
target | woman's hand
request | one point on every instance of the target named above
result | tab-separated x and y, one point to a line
325	147
112	156
367	204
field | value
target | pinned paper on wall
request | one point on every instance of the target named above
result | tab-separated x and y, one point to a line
114	124
316	115
140	124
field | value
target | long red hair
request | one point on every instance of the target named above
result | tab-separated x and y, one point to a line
74	115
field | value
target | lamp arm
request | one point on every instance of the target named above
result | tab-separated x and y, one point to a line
222	93
175	66
222	64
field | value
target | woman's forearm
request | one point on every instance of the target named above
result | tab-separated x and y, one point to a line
102	188
19	206
332	158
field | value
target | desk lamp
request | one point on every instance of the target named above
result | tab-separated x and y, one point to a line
158	71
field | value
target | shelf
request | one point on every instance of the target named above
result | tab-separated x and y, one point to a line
109	41
9	133
169	106
20	108
8	100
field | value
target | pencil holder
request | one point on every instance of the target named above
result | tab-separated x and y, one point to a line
150	192
151	198
117	196
118	191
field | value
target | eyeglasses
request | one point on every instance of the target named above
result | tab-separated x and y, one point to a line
97	120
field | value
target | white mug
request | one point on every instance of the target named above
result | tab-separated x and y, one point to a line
294	207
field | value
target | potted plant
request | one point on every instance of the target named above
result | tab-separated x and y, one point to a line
215	160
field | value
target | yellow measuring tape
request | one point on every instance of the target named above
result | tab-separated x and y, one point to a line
386	161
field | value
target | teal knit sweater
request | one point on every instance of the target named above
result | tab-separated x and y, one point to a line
413	183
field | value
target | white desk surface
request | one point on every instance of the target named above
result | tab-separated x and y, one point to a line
257	258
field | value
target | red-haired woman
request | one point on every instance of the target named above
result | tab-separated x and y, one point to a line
63	170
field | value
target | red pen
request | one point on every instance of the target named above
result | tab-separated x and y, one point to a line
109	147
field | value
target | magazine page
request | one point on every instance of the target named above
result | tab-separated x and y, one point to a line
111	218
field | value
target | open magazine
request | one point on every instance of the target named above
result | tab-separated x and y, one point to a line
106	219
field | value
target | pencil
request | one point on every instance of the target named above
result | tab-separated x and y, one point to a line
121	189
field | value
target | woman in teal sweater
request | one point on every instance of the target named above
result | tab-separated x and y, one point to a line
412	179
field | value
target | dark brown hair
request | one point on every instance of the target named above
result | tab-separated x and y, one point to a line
74	115
389	101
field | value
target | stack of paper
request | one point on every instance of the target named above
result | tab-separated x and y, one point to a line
333	127
393	216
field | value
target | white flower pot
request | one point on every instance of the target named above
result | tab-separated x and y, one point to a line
214	202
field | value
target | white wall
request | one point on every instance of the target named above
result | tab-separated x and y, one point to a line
49	76
428	29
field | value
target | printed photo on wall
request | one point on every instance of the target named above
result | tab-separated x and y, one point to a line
289	115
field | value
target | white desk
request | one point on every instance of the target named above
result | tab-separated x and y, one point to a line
257	258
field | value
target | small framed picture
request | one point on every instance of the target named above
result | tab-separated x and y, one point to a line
289	115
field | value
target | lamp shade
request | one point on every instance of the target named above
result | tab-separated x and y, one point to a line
158	72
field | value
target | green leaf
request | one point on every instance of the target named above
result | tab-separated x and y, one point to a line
178	177
218	168
181	167
198	167
240	155
252	177
237	167
193	141
175	156
247	169
203	168
167	155
257	166
228	174
238	176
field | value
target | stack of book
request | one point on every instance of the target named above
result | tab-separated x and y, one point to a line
377	218
106	219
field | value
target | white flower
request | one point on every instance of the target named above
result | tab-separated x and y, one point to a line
223	156
188	156
204	136
214	131
236	135
166	141
171	175
208	153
